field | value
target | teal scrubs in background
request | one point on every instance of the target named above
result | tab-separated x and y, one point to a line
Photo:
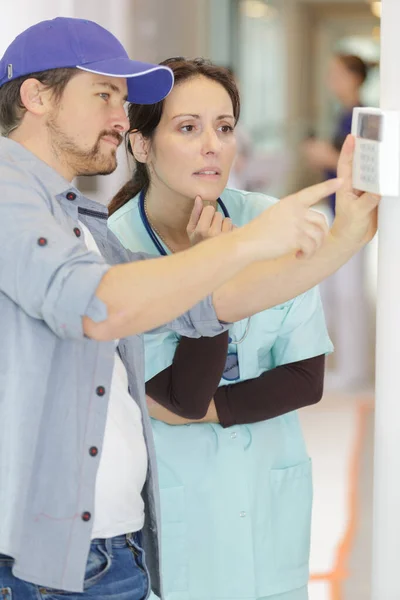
236	502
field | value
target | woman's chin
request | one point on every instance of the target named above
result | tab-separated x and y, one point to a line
210	193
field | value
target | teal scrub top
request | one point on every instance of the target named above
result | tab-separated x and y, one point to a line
236	502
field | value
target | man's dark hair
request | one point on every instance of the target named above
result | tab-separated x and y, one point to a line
11	108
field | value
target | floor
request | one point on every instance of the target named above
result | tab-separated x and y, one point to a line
339	435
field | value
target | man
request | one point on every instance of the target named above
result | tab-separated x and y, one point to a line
72	512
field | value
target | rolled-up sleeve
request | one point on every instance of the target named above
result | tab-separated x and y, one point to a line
44	269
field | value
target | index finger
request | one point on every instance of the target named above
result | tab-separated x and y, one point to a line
313	194
345	164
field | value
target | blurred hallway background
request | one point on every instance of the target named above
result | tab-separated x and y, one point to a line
279	51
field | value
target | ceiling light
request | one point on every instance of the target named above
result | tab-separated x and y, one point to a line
376	8
258	9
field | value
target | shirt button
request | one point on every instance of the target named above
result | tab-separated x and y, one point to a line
242	514
93	451
42	241
77	231
100	391
71	196
86	516
234	435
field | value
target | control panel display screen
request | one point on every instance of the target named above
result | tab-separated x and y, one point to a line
370	127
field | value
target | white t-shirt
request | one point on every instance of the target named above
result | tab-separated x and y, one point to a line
119	507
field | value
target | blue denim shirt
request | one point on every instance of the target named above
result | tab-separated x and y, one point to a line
54	381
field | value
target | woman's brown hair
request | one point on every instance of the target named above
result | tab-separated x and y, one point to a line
144	118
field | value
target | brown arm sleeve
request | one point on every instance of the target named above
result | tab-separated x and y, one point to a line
187	387
274	393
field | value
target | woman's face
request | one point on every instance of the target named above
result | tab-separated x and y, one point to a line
194	144
341	82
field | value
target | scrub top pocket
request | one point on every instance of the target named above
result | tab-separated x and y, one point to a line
291	507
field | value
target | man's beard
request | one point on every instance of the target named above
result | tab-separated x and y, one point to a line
82	162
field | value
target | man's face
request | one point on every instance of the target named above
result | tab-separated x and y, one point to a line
87	124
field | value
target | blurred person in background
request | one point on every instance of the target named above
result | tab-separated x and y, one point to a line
344	294
346	76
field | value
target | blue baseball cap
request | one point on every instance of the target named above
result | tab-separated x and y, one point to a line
67	42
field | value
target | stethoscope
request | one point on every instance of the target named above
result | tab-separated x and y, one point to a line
160	248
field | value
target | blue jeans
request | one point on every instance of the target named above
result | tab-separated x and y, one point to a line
115	570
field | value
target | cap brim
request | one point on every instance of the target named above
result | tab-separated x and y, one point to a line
147	83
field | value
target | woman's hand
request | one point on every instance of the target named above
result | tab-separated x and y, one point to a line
356	212
206	222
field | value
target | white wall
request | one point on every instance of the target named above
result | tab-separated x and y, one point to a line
17	15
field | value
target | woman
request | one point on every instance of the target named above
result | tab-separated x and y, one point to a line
236	500
346	76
